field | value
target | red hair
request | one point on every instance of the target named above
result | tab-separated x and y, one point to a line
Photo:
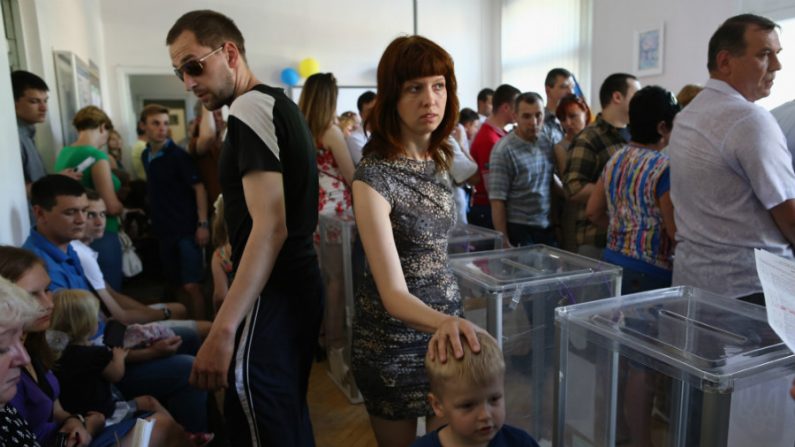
572	101
407	58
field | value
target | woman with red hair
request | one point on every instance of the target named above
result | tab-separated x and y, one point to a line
403	202
573	114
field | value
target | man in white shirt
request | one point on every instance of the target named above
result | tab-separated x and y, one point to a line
732	181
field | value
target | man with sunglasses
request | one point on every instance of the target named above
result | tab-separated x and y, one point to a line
261	344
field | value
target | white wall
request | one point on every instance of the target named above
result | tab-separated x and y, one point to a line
688	27
347	37
63	25
470	31
14	223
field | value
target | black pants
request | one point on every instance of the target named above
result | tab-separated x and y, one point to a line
520	235
269	375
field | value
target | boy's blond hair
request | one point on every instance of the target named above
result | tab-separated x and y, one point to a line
75	313
477	369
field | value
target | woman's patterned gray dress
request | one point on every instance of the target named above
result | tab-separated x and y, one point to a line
388	356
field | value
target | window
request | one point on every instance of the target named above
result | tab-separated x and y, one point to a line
538	35
13	35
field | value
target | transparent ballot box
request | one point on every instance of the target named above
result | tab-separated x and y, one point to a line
342	262
469	238
513	294
672	367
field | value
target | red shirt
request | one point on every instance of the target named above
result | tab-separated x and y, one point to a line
480	150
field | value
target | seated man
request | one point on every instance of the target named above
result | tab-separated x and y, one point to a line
120	306
59	206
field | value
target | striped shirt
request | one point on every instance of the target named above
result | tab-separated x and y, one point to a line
634	179
520	173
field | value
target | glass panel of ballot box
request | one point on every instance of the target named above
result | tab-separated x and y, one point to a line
342	262
513	294
672	367
471	238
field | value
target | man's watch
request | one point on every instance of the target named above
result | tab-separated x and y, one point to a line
166	313
203	224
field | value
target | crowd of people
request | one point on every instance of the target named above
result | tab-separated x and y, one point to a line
646	178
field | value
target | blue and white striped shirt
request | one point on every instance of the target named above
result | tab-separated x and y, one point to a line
520	173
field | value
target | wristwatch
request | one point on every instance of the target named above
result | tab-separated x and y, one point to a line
203	224
166	313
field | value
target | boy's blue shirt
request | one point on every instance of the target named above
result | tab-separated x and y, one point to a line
507	437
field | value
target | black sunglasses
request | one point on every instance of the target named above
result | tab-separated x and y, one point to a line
194	67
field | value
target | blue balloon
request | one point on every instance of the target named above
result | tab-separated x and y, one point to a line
290	76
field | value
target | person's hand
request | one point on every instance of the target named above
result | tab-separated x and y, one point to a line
166	347
451	331
120	353
202	236
212	362
78	436
792	390
71	173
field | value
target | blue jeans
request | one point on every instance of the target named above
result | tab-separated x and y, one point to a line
167	380
183	260
190	340
109	249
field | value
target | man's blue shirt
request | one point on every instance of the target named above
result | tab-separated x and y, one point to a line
64	268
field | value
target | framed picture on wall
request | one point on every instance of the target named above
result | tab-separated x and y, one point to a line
78	86
65	77
648	51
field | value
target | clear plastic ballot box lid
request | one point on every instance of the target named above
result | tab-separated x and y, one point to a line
530	269
467	238
707	340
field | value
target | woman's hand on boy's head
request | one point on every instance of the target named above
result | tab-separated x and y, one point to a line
452	330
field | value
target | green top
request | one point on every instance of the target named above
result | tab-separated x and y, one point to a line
71	156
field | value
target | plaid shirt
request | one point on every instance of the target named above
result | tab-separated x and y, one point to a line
588	155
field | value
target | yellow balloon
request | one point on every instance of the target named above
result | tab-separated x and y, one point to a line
308	67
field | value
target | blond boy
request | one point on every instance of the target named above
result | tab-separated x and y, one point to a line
467	393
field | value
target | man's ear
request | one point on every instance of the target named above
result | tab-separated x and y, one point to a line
436	404
233	56
723	62
38	214
617	97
